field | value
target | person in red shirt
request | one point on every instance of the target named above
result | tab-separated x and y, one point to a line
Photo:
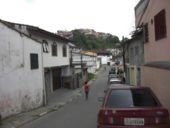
86	89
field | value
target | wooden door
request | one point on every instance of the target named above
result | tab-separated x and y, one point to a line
56	78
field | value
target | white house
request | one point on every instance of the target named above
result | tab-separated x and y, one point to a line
21	72
105	57
55	56
98	64
77	66
90	58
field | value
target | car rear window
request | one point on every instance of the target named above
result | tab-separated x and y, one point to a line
112	76
115	82
131	98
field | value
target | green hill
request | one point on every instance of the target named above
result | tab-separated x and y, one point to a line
88	39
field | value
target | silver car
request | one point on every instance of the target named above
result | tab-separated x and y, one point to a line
115	81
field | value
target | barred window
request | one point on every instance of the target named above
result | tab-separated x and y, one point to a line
136	50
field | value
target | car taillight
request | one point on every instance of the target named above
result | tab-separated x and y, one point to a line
162	120
106	117
101	116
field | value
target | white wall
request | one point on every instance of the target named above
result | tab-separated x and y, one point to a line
91	61
48	59
21	88
104	59
98	63
59	60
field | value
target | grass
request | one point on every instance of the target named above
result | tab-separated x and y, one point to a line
91	76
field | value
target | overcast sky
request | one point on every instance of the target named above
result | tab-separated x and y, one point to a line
109	16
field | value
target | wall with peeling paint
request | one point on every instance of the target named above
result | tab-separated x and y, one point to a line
21	88
48	59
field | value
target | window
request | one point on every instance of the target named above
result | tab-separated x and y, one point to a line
34	61
131	98
136	50
143	97
45	46
54	49
146	33
160	25
64	51
119	98
131	52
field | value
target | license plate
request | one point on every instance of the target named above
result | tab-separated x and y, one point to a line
134	121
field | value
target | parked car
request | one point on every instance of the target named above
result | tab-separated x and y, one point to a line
110	76
132	107
112	71
114	81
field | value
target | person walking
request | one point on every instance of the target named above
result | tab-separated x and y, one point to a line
86	89
123	80
105	68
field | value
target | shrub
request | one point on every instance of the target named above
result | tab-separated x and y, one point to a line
91	76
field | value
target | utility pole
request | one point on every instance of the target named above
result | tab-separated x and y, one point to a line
123	48
71	59
81	62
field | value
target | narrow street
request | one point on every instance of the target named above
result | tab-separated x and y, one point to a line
80	113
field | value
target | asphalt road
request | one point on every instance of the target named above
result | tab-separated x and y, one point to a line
80	113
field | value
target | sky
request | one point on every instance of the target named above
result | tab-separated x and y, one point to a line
110	16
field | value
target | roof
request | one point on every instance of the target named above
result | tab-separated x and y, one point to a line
5	23
42	31
102	52
139	3
88	53
73	45
135	35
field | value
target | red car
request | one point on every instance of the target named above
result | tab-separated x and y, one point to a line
132	107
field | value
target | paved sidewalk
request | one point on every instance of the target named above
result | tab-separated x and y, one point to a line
60	98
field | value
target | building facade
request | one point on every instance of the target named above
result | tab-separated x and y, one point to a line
77	67
154	17
21	72
134	58
55	56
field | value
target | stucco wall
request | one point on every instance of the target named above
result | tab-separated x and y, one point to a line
157	50
48	59
21	88
98	63
54	61
158	80
103	59
136	56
